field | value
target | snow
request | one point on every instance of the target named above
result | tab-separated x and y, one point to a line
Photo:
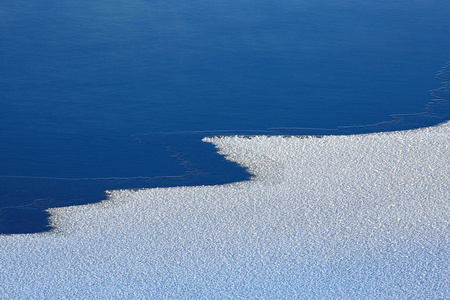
360	216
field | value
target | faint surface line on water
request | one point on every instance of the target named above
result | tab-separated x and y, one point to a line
94	179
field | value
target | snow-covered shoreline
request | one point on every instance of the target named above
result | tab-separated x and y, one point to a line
332	217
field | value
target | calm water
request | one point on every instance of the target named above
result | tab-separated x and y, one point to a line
98	95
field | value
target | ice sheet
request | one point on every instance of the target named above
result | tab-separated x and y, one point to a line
361	216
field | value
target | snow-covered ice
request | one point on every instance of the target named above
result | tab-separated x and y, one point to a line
360	216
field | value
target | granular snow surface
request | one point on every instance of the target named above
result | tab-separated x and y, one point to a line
360	216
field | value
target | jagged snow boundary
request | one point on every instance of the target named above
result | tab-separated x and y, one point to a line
361	216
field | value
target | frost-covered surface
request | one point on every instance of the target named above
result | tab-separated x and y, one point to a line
364	216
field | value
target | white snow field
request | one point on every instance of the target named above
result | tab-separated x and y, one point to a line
352	217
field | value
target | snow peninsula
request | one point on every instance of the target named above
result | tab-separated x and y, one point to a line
359	216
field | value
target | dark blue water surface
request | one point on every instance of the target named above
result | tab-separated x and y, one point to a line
98	95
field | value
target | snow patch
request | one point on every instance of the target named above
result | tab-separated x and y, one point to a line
331	217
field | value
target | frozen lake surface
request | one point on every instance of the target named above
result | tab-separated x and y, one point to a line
118	94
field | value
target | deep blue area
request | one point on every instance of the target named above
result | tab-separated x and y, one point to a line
98	95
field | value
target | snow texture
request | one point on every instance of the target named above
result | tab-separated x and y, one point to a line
361	216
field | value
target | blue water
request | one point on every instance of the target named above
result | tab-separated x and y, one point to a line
98	95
